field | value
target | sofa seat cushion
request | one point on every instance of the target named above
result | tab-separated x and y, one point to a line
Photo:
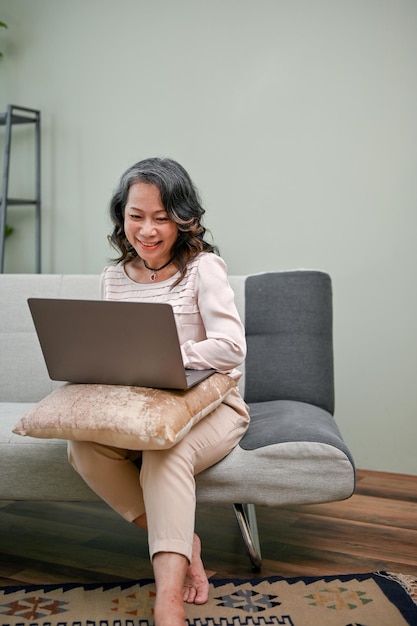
292	453
283	421
288	472
34	469
280	474
295	451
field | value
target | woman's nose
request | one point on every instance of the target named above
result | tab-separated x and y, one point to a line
148	228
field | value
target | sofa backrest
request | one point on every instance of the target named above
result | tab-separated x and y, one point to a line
287	315
23	374
289	332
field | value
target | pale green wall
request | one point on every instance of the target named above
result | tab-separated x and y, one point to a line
297	120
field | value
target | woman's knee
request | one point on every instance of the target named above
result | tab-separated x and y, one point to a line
84	455
77	452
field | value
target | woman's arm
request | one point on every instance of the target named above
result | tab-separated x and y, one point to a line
225	346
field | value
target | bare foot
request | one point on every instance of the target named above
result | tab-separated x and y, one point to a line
196	585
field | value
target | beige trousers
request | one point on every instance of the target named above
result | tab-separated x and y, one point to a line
161	482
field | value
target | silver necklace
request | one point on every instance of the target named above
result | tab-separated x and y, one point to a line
155	269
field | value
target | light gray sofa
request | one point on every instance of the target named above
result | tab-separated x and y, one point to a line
293	451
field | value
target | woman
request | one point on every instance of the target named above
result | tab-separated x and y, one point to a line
164	257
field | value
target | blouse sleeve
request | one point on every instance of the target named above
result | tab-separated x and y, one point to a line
225	345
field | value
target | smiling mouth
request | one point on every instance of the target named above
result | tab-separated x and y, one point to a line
149	245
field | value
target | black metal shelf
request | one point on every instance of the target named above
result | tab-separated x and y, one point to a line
16	115
16	119
18	201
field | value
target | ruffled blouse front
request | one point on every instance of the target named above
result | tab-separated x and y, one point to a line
210	331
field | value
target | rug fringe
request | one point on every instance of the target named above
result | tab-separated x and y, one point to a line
407	582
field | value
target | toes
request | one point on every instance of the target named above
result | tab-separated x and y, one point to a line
196	595
201	597
189	595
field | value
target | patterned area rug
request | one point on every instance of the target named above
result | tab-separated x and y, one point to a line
376	599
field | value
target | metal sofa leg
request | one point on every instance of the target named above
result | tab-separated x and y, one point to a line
246	518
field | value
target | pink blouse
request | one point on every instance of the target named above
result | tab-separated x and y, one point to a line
209	327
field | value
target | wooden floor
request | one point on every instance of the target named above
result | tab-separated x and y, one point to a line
374	530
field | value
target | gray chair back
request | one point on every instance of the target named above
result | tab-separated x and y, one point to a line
289	332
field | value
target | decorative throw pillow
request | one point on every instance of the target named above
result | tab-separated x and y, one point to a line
136	418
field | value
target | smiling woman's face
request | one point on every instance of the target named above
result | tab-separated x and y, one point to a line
147	225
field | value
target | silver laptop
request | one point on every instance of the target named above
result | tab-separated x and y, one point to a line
113	343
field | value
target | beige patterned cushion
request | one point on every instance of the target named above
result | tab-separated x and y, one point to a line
136	418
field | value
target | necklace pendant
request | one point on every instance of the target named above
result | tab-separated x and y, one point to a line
155	269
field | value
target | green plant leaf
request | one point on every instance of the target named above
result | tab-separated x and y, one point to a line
9	230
